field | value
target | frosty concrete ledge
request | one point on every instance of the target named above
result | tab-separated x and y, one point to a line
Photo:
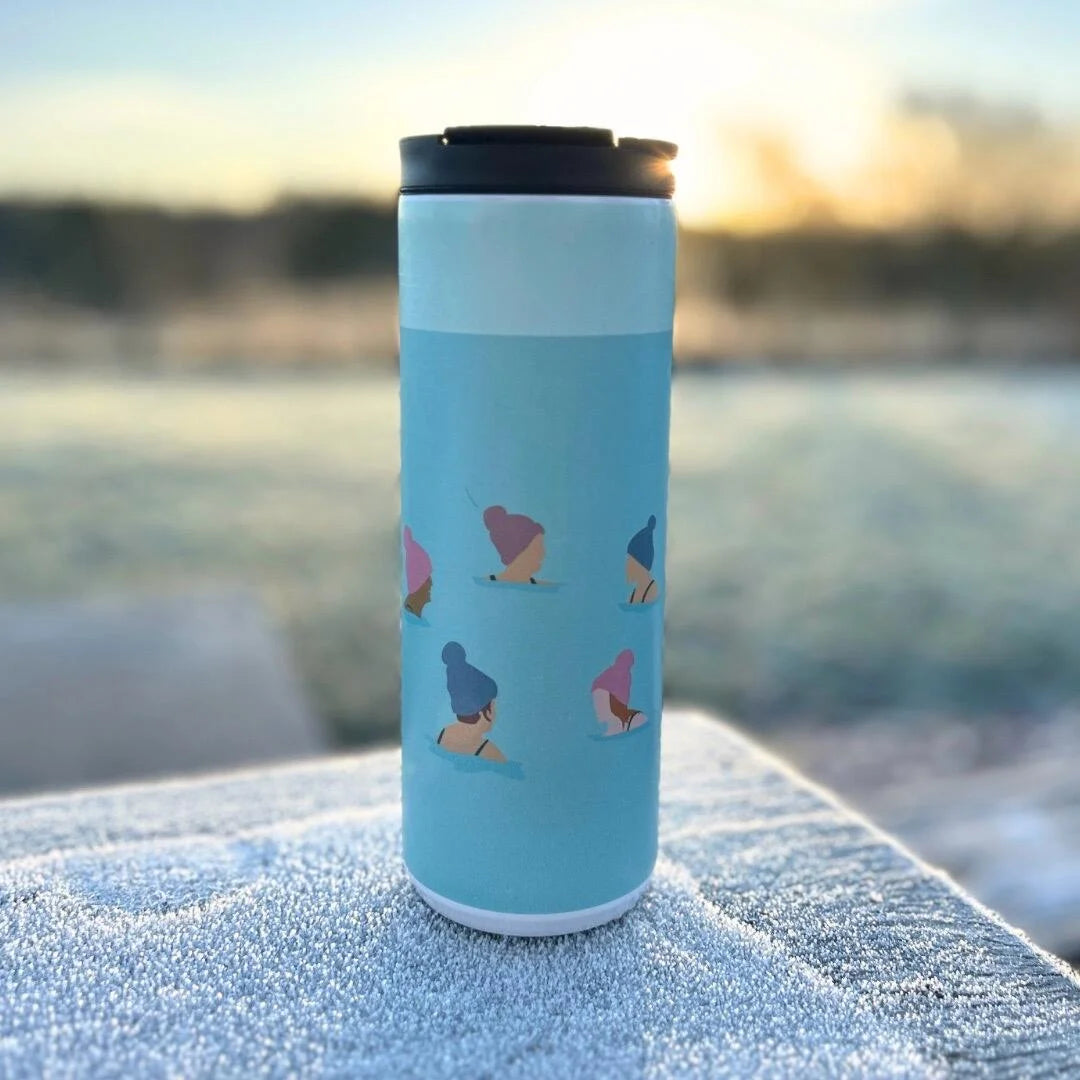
261	922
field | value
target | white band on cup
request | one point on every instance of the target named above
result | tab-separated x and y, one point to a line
611	271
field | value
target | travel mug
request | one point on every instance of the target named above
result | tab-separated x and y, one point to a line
536	301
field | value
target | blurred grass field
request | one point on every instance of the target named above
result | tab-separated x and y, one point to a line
842	544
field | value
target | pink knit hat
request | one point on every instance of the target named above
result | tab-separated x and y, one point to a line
510	533
417	562
616	679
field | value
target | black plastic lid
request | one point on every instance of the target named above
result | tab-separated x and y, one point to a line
522	160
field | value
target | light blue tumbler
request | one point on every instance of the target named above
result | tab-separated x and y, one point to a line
537	293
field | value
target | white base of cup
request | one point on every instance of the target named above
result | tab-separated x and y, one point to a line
501	922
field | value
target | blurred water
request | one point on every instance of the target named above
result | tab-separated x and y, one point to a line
840	543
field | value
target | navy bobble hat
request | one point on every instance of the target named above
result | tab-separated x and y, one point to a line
470	689
640	547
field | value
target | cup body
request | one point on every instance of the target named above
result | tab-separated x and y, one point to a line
535	399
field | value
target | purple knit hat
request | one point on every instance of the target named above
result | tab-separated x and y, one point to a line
510	533
616	679
417	562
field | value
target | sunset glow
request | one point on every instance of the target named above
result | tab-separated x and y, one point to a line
720	85
783	112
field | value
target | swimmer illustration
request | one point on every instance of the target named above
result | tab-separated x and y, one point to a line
472	697
611	696
640	554
417	575
520	543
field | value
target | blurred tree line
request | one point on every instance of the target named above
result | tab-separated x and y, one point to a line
123	258
945	265
134	258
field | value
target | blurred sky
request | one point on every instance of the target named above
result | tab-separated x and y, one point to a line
785	109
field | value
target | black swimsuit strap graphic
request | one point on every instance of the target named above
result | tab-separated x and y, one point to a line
644	595
476	753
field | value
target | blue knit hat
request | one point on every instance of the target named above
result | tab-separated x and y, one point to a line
641	545
470	689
